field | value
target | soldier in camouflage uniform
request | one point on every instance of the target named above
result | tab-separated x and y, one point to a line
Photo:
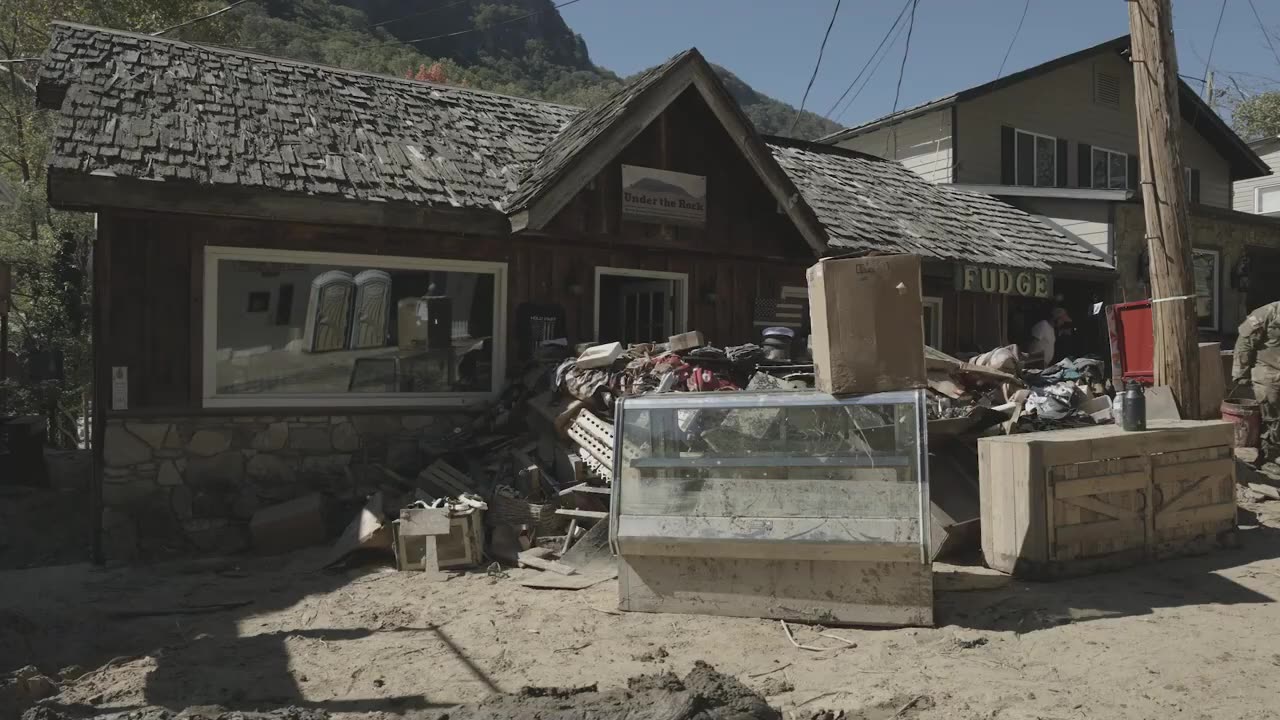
1257	362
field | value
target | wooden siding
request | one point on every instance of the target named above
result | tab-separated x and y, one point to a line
1244	195
922	144
747	250
1084	221
1060	103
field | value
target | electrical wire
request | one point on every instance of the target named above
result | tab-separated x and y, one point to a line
557	6
906	50
902	13
1265	34
1014	39
816	65
1208	66
874	68
431	11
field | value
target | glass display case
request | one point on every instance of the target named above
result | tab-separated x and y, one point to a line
791	505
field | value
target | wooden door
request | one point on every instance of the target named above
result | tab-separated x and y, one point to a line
1193	500
1098	509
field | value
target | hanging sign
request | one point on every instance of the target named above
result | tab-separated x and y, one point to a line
1004	281
119	388
663	197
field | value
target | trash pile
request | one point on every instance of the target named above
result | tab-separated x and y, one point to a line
527	483
994	388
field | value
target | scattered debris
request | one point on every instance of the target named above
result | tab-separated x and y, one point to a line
702	694
846	643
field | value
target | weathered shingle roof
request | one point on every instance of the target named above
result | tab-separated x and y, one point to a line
582	130
142	107
139	107
871	204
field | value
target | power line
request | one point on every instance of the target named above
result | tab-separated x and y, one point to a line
816	65
431	11
906	50
867	64
874	68
202	18
1209	60
1265	34
1014	39
465	32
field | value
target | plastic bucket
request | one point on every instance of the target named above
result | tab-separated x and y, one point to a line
1247	417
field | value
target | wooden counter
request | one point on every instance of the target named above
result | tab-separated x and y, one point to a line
1070	502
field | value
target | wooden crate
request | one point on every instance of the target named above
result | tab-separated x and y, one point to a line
1069	502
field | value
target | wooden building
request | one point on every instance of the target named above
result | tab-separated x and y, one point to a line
300	267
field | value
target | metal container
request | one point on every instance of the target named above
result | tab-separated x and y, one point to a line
1134	407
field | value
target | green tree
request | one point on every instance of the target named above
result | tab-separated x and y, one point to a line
1258	116
49	251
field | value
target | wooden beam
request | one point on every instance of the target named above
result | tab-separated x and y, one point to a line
1164	201
623	130
78	191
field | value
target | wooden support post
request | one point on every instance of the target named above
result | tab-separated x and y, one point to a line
1164	201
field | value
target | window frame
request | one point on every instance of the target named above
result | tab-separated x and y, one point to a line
1053	140
1212	323
936	326
1093	149
680	292
1257	200
210	398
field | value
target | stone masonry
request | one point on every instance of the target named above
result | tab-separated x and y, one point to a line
188	485
1230	236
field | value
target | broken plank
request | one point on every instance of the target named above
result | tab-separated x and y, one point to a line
543	581
533	561
583	514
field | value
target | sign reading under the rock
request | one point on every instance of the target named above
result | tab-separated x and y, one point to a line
662	196
1004	281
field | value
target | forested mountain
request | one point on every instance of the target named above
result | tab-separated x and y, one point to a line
522	47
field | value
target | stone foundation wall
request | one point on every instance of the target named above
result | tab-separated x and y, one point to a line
1230	236
186	485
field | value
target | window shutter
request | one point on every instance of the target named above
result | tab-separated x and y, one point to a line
1133	172
1194	191
1006	156
1084	165
1062	163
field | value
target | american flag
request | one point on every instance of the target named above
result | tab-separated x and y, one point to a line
779	313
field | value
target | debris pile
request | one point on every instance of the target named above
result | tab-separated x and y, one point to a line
994	388
702	694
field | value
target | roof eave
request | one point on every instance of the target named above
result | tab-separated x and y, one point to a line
78	191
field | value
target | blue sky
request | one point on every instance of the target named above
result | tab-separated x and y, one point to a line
955	44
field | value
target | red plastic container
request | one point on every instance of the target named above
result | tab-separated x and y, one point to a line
1133	341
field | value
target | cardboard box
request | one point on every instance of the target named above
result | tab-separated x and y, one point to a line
868	327
1213	383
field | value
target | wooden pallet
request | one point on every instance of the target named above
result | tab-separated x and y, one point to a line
447	478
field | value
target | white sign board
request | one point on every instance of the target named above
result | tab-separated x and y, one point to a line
664	197
119	388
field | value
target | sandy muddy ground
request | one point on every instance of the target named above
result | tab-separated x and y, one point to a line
1193	638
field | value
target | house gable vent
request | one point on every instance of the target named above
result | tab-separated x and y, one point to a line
1106	89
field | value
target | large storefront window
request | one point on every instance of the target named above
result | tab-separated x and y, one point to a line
300	328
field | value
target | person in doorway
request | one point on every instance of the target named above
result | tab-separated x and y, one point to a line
1044	334
1257	363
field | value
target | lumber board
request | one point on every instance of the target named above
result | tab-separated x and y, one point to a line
582	514
1103	483
527	559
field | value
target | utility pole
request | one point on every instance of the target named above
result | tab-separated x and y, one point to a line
1208	90
1164	202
